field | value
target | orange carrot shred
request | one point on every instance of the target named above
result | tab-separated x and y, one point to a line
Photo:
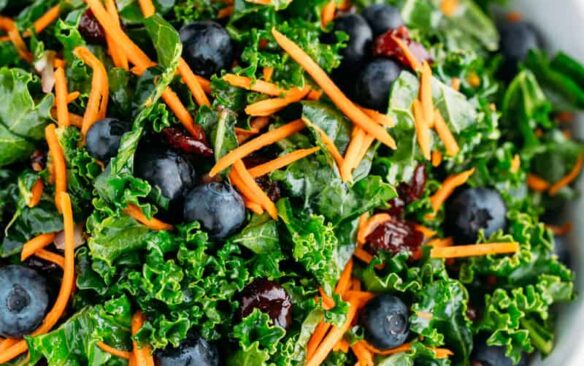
258	143
474	80
50	257
445	135
474	250
455	84
118	56
71	97
258	86
427	232
440	242
332	91
147	8
560	230
448	187
113	351
153	223
58	161
536	183
7	343
436	158
355	284
225	12
317	336
426	94
515	163
327	301
99	94
267	107
36	193
142	355
403	348
9	26
253	207
45	20
380	118
268	72
364	356
36	243
569	178
412	59
363	255
327	14
370	225
342	346
329	144
352	153
345	279
188	77
259	196
422	131
61	96
281	162
449	7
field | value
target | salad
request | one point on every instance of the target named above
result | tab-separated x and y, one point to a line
282	182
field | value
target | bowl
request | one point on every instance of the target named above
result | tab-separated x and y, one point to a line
561	22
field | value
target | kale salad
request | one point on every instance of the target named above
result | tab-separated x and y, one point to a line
282	182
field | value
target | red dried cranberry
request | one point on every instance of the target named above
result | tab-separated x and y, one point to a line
396	236
386	46
38	161
271	188
472	313
268	297
185	143
90	28
409	192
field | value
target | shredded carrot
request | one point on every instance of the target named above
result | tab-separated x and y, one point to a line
560	230
267	107
258	86
361	228
281	162
119	58
71	97
442	352
51	257
99	94
515	163
259	196
345	279
424	315
426	94
36	193
317	336
359	297
36	243
569	178
205	84
259	123
259	142
445	135
58	161
342	346
314	94
333	337
370	225
380	118
9	26
334	93
113	351
422	131
76	120
143	355
536	183
367	142
268	72
181	113
474	250
328	143
259	2
153	223
327	14
147	8
427	232
7	343
352	153
403	348
61	96
474	80
363	355
448	187
449	7
514	16
225	12
440	242
327	301
253	207
455	84
45	20
363	255
355	284
436	158
188	77
243	135
412	59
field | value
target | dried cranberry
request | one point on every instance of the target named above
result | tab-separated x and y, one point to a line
185	143
38	161
396	236
386	46
90	28
268	297
409	192
271	188
472	313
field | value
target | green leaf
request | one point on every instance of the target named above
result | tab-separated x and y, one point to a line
165	39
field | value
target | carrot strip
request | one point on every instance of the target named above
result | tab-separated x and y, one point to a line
99	94
403	348
36	243
76	120
448	187
50	257
560	230
427	232
7	343
153	223
259	142
205	84
370	225
61	96
267	107
515	163
317	336
71	97
363	255
268	72
569	178
143	356
259	123
424	315
188	77
355	284
9	26
379	118
442	352
412	59
281	162
329	144
147	8
333	337
258	86
36	193
342	346
345	279
225	12
422	131
536	183
243	135
440	242
58	161
367	142
364	356
253	207
113	351
474	250
334	93
259	196
436	158
182	114
445	135
426	94
327	14
48	18
327	302
449	7
259	2
119	58
455	84
474	80
352	153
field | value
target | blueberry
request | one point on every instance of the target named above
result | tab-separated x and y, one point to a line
484	355
360	37
474	209
382	17
218	207
207	47
385	320
374	83
268	297
171	172
24	300
517	39
104	136
194	351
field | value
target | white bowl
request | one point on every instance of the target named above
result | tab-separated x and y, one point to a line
562	24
